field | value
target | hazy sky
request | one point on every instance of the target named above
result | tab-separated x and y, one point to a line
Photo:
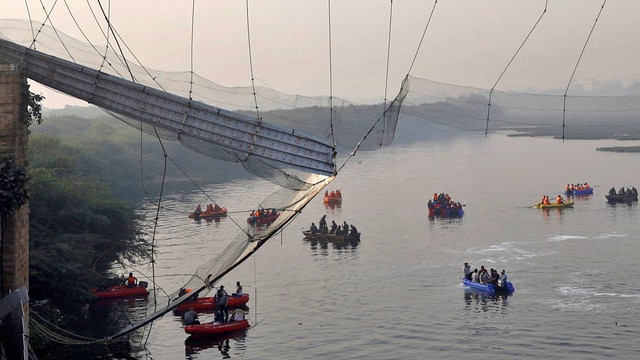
468	42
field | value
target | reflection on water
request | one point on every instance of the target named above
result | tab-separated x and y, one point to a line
223	342
481	301
332	206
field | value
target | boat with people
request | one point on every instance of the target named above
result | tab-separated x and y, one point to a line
578	189
331	237
553	205
121	291
333	197
208	303
622	196
210	213
489	288
262	217
215	328
442	206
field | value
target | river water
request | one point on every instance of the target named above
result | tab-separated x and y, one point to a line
397	294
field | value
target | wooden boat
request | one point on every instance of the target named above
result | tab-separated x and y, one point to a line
622	198
121	291
208	303
209	215
489	288
331	237
577	192
213	329
262	220
553	206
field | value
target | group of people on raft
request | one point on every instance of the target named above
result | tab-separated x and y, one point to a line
570	188
335	229
261	214
441	205
545	200
211	208
221	311
485	277
334	194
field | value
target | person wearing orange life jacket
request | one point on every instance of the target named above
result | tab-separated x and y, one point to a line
559	199
132	281
546	200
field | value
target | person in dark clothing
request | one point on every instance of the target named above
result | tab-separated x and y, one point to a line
222	313
191	318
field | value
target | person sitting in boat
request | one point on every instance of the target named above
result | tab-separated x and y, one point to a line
345	228
339	230
546	200
559	200
621	190
209	208
466	269
334	226
313	228
274	212
494	277
237	315
474	276
239	292
482	275
221	298
131	281
191	318
332	194
184	291
353	231
612	191
217	208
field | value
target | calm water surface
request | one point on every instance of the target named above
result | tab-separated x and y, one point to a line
397	294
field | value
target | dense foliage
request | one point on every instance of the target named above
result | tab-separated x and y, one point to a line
77	228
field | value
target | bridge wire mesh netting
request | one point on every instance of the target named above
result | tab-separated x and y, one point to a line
328	119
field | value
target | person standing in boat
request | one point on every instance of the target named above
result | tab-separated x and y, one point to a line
221	298
503	279
190	318
131	281
467	271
